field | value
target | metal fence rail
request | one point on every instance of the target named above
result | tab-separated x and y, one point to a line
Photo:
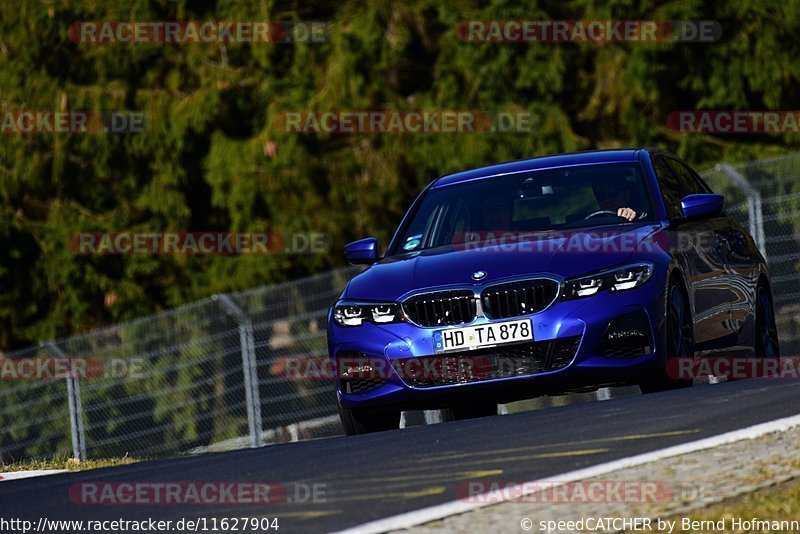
211	375
203	375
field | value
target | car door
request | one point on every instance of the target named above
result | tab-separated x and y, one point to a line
742	260
743	264
702	251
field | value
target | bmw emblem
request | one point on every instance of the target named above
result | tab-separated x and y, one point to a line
479	275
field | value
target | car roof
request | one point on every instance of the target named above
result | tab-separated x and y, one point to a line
624	155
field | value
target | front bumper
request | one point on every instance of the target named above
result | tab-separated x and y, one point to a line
584	320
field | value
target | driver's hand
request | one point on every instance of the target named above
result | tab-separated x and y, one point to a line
627	213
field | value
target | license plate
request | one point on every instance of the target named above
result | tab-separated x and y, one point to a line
485	335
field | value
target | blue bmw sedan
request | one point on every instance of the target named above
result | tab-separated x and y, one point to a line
545	276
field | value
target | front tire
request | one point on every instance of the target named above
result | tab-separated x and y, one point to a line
360	421
679	342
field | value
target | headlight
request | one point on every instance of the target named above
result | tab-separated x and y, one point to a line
617	279
355	313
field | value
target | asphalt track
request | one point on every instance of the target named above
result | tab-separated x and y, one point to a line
380	475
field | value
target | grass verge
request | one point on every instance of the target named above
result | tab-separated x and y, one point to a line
65	462
778	503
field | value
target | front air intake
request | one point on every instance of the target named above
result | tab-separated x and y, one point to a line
627	337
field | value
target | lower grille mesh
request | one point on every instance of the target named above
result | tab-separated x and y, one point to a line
488	364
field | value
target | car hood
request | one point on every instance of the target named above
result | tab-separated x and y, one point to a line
565	254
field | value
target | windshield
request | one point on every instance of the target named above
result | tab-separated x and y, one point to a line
554	199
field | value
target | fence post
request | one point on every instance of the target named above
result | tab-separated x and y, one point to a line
75	407
249	370
754	211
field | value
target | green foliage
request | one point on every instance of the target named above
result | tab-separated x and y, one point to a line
206	160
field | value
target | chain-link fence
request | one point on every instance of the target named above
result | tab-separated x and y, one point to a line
212	375
207	376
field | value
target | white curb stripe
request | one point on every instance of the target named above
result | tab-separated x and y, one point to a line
14	475
439	511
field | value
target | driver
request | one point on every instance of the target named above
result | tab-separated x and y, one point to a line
496	210
615	195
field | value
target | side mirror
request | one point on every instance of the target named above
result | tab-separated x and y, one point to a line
703	205
362	252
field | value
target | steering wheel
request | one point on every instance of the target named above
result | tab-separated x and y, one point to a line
601	212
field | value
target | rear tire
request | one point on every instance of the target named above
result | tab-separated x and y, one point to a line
359	421
766	335
679	342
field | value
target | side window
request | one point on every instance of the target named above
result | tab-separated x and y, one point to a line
691	183
671	188
459	223
703	184
453	221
